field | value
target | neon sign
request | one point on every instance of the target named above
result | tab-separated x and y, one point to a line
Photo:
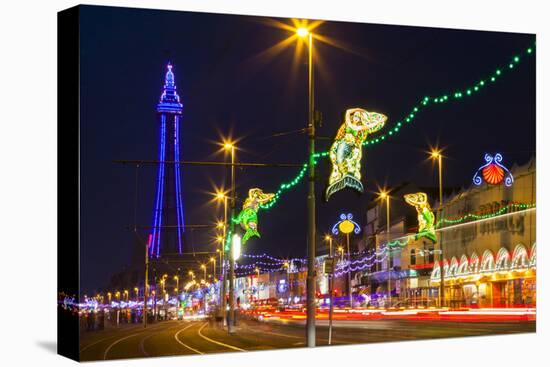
493	172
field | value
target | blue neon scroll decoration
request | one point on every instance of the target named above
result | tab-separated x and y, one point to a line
493	172
346	217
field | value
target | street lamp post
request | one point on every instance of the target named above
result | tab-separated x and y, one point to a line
203	267
222	196
436	154
330	289
311	276
213	261
231	318
146	284
385	196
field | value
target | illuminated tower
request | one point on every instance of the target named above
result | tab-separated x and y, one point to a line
167	230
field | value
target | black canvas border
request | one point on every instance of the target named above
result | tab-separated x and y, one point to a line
68	178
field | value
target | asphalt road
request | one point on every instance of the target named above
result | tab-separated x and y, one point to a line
171	338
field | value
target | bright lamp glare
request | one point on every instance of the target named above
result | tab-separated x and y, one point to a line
302	32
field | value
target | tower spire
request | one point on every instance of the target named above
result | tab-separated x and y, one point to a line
168	222
169	99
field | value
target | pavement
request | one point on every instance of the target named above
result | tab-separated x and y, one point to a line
179	337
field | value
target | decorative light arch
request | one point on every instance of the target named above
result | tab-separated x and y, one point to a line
533	257
503	259
487	262
454	267
520	258
474	263
464	266
436	271
446	268
474	266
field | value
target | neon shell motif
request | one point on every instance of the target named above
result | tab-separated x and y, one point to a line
493	172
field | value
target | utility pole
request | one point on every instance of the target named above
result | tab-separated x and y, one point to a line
311	276
231	318
146	285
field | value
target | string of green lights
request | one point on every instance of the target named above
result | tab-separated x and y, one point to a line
409	118
472	216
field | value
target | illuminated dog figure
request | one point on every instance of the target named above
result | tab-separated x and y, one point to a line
346	151
248	217
426	218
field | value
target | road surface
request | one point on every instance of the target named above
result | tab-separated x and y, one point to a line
169	338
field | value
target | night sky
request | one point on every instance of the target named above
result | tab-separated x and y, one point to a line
229	86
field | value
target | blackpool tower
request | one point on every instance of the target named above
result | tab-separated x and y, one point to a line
167	230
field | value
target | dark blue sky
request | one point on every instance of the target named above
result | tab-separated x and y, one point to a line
226	85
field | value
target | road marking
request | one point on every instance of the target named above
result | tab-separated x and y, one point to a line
185	345
217	342
142	342
116	342
97	342
114	336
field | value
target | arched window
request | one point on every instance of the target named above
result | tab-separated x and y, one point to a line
413	257
463	266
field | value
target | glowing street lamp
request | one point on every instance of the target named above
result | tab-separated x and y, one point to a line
136	289
302	32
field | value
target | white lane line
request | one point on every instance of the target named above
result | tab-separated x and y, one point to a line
114	336
142	342
116	342
185	345
217	342
97	342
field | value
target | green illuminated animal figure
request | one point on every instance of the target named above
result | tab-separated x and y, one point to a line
346	151
248	217
426	218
